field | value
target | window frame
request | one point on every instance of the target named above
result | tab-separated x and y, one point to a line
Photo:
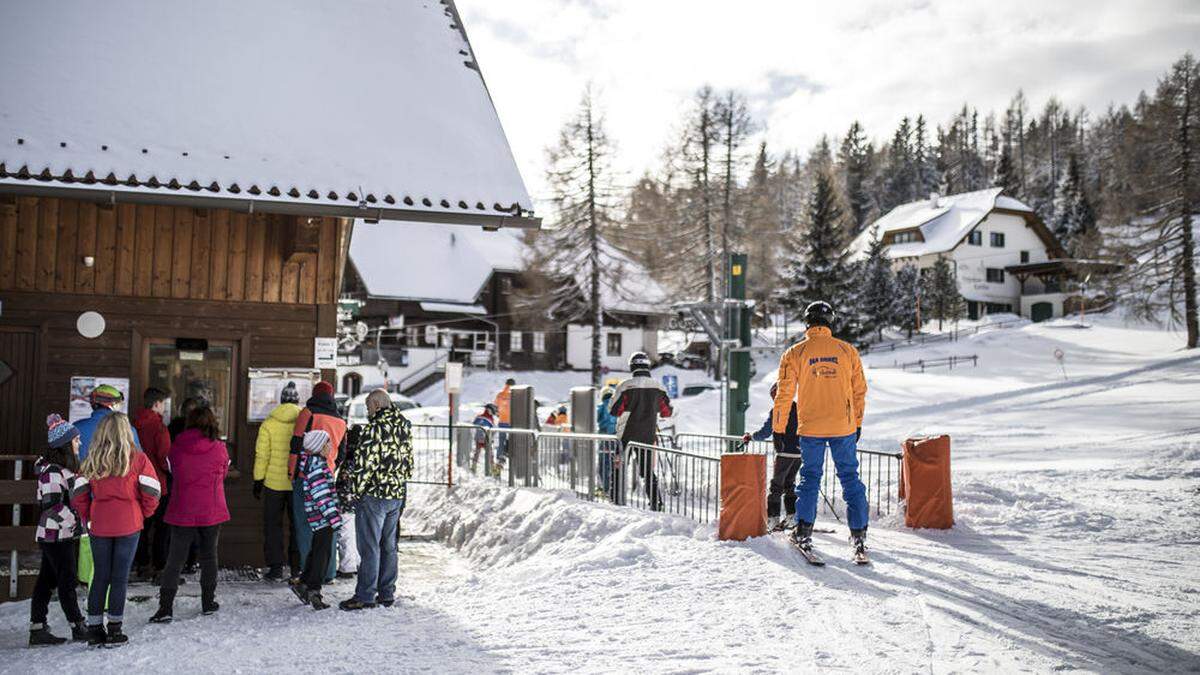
539	341
975	238
516	341
999	272
608	344
996	239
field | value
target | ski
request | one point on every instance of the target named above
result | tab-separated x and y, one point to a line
860	558
809	554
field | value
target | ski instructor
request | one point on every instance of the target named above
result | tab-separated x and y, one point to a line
824	376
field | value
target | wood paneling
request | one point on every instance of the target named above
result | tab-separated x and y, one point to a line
164	252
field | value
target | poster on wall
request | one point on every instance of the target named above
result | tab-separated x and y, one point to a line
267	385
81	389
325	353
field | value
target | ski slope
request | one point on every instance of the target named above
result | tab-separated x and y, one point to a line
1077	548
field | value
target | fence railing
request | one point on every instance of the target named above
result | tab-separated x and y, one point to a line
948	362
681	475
953	335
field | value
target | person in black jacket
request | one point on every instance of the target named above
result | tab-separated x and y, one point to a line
637	405
787	464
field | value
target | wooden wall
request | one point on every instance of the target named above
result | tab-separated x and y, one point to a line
167	252
267	283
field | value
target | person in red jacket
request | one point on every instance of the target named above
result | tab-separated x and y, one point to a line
155	439
199	463
117	490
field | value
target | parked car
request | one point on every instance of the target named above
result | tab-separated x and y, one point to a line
358	407
697	388
689	361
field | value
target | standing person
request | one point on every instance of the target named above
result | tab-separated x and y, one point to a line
486	419
314	485
606	424
637	404
155	440
379	478
504	411
105	399
57	531
117	490
320	412
787	463
824	376
347	498
179	422
272	455
199	462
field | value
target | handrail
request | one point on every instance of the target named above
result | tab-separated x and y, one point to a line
674	451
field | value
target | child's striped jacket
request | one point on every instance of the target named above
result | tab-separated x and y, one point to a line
57	521
320	500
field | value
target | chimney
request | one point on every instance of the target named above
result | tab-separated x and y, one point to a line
933	199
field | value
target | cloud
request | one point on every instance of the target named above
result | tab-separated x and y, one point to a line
808	68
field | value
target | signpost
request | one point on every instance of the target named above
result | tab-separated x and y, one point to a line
737	331
671	384
454	378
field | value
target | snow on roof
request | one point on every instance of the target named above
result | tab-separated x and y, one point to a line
943	223
628	287
322	106
430	261
453	308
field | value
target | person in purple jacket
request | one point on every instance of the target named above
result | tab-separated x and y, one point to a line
199	462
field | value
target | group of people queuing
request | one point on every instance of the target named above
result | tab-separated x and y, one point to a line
117	493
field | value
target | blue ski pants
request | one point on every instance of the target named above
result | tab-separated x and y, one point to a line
845	458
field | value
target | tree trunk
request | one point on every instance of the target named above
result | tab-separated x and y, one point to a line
594	255
1188	252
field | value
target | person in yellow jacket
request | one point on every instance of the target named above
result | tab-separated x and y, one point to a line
824	376
271	453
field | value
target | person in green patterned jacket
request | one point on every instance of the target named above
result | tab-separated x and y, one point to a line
379	479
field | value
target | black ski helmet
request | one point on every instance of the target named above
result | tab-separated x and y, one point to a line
819	313
639	361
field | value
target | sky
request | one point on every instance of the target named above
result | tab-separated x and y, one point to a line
807	68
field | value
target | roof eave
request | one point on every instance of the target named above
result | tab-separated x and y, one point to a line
285	207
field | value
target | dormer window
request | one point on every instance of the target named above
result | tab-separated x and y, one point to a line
904	237
975	238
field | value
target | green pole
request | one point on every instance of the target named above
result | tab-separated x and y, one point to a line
738	327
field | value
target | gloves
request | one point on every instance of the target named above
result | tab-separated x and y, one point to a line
258	488
858	435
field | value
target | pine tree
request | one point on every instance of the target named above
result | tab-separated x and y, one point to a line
942	300
899	183
1073	217
906	310
572	257
820	270
855	158
876	288
925	173
1006	172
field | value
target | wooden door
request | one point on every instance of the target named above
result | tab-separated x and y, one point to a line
18	376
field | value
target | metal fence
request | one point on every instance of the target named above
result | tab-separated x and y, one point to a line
681	475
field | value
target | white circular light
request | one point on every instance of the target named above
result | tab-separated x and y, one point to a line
90	324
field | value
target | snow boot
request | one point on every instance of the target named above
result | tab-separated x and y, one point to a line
384	603
208	603
166	607
301	592
858	546
115	637
79	632
96	636
314	599
274	574
40	636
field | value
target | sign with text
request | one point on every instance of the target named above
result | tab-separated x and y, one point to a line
671	384
325	353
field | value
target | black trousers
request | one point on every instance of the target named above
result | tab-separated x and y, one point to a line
317	563
182	540
155	541
57	572
783	484
277	510
645	459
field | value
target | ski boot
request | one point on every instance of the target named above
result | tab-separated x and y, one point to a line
315	600
40	636
783	523
858	546
801	538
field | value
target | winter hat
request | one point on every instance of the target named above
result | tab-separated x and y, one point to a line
106	395
323	389
289	394
59	432
315	440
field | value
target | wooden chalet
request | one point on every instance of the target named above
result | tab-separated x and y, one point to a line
178	193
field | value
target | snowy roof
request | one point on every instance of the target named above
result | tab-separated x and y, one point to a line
627	287
431	262
453	308
943	222
315	108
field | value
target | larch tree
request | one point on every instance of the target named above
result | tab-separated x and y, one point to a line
734	127
702	136
573	256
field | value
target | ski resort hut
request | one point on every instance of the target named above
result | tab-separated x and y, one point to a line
178	189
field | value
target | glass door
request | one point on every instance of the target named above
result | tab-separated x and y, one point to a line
205	374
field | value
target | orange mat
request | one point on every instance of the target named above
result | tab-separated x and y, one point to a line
743	497
925	483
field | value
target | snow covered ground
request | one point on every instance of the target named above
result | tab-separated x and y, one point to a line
1077	548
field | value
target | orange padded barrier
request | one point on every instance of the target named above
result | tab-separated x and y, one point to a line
743	497
925	483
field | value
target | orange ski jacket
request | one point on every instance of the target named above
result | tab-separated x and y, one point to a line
824	376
